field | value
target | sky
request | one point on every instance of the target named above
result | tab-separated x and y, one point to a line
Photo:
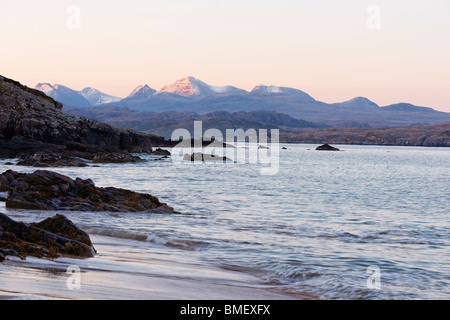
387	51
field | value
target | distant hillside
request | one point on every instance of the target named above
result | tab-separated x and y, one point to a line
164	123
430	136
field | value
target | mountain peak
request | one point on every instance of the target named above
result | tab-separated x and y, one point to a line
142	91
264	90
63	94
360	102
96	97
187	86
190	86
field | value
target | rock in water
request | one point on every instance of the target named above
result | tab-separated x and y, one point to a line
327	147
47	190
49	238
198	156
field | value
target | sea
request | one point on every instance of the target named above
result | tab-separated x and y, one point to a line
367	222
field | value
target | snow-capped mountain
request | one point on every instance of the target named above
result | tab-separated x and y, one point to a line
190	86
96	97
142	91
263	90
65	95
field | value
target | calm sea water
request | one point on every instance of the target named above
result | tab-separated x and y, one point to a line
315	227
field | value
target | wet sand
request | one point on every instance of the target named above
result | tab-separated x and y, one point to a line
107	277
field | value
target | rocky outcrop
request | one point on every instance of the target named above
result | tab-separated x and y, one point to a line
47	190
44	159
31	122
50	238
326	147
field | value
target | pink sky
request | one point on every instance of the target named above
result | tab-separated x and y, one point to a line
322	47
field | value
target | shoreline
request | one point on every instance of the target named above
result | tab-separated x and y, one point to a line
106	277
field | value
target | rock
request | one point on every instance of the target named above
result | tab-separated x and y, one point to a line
4	183
284	148
116	158
49	238
198	156
327	147
45	160
161	152
63	227
47	190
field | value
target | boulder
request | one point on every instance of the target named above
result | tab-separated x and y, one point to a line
161	152
326	147
50	238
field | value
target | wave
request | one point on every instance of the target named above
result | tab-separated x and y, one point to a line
184	244
121	234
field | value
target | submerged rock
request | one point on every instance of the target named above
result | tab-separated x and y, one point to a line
327	147
47	190
50	238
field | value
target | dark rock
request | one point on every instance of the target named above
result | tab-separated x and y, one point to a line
327	147
47	190
284	148
116	158
62	226
198	156
161	152
49	238
4	183
45	160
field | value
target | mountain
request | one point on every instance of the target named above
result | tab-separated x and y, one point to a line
142	91
263	90
189	86
358	103
96	97
193	95
65	95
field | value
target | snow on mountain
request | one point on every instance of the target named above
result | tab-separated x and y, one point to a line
263	90
65	95
96	97
142	91
190	86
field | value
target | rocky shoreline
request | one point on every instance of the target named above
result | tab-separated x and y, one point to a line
34	130
51	191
